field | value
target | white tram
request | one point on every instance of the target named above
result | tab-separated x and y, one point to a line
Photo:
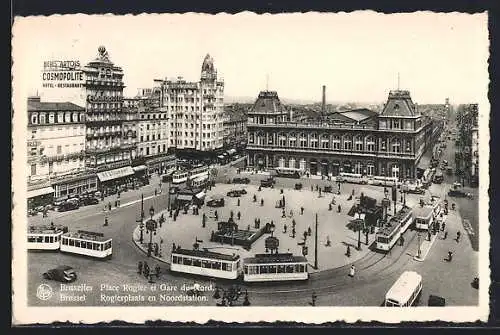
424	217
275	267
387	236
45	237
206	263
87	243
196	172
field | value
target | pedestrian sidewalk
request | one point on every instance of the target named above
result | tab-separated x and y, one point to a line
424	248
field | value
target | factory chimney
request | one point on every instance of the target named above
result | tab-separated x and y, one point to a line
323	102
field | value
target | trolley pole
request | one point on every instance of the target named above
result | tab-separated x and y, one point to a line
316	244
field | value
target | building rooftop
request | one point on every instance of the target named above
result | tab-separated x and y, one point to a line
35	105
359	115
399	103
268	102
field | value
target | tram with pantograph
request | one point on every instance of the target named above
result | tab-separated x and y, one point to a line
275	267
199	171
87	243
205	263
44	237
396	226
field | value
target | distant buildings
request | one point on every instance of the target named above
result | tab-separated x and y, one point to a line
467	155
235	127
195	111
356	141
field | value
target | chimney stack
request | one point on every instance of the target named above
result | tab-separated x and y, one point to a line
323	102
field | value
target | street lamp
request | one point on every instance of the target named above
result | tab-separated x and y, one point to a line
151	229
419	251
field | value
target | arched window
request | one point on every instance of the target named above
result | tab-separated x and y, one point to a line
383	144
359	143
358	168
302	140
67	117
291	163
34	118
370	169
281	162
325	141
302	164
408	146
261	139
251	138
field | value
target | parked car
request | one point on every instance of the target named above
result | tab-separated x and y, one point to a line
63	273
216	202
435	300
236	193
269	182
89	201
298	186
238	180
68	206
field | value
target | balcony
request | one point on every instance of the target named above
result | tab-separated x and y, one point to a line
296	125
373	154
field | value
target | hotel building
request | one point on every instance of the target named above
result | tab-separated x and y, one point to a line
358	141
195	112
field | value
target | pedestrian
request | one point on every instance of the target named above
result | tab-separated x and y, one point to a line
312	188
254	198
301	210
445	235
262	202
283	215
157	271
443	225
458	236
238	201
109	205
339	209
352	271
106	223
348	251
401	241
328	242
156	192
293	232
284	228
309	231
238	215
139	267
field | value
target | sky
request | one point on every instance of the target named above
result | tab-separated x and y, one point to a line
356	55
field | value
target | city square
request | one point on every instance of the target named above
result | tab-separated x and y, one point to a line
163	190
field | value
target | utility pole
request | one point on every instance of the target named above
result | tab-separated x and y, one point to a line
316	244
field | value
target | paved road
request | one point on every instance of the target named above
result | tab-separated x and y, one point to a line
375	272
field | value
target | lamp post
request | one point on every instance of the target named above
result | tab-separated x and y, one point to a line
419	251
151	229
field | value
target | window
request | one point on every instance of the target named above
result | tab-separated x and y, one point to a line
396	124
396	145
281	140
302	140
370	169
336	142
347	143
59	149
359	143
251	138
370	144
292	140
314	140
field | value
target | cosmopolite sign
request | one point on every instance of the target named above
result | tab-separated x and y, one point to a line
62	74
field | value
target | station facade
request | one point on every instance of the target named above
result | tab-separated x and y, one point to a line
356	141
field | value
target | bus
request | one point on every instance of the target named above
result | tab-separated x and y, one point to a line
87	243
424	217
406	291
354	178
45	237
288	172
275	267
382	181
205	263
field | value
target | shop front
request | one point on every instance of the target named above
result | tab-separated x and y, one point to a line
112	181
40	197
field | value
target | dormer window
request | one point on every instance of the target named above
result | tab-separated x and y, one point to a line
396	107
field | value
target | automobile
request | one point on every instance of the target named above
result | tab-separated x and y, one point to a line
68	206
435	300
269	182
238	180
58	202
173	190
89	201
216	202
327	189
63	273
449	171
298	186
236	193
458	193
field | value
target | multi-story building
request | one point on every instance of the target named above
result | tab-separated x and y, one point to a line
106	148
235	127
467	155
359	141
56	144
195	112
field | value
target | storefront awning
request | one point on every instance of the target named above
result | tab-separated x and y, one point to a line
185	197
231	151
139	168
116	173
40	191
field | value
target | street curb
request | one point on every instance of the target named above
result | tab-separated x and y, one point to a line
142	249
421	259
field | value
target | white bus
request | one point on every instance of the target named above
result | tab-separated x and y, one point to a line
382	181
288	172
406	291
87	243
275	267
45	237
205	263
354	178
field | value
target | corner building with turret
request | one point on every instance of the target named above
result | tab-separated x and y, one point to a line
361	141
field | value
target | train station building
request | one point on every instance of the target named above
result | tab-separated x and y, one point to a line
358	141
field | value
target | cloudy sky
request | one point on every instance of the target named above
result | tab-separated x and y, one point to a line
356	55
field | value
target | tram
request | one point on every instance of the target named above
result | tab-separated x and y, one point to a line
45	237
424	217
288	172
275	267
387	236
205	263
195	172
353	178
87	243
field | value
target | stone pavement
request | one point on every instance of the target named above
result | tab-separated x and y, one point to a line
188	227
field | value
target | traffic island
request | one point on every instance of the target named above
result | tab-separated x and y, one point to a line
424	248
